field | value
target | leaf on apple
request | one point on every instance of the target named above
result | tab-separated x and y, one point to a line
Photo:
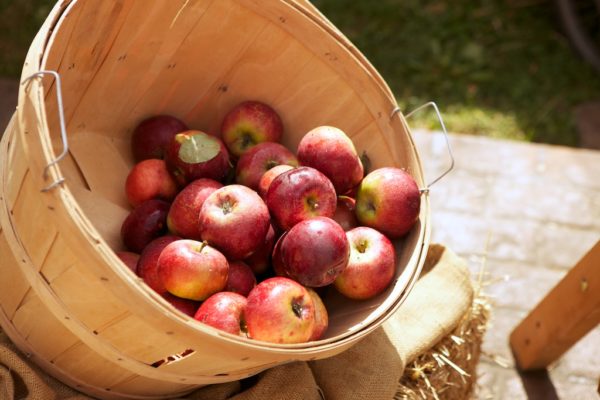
198	149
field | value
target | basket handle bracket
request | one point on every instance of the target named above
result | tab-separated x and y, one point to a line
443	126
63	129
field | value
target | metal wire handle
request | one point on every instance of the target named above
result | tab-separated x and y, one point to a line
63	129
439	115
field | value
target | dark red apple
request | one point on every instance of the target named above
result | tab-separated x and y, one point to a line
192	270
152	136
182	219
149	179
148	263
144	223
186	306
194	154
259	159
268	177
129	259
276	258
259	261
240	279
344	213
224	311
331	151
280	310
248	124
315	251
299	194
235	220
388	200
372	264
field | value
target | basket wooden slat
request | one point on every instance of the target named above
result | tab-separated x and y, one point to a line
194	59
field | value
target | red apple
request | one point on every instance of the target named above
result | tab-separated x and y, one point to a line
144	223
240	279
224	311
315	251
148	264
321	316
388	200
235	220
186	306
192	270
152	136
182	219
344	213
280	310
194	154
259	260
250	123
372	264
299	194
259	159
268	177
329	150
129	259
149	179
276	258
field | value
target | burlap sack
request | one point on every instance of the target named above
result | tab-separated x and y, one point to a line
369	370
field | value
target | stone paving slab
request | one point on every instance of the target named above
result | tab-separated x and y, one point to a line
526	213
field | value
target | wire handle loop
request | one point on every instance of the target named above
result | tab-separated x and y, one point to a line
63	129
439	115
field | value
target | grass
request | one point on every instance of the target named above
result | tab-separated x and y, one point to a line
495	68
499	68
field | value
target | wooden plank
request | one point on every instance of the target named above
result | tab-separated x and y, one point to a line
569	311
33	221
14	285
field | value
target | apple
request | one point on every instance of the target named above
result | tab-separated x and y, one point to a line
277	260
152	136
265	181
299	194
144	223
129	259
259	159
371	267
250	123
280	310
186	306
235	220
259	260
192	270
315	251
194	154
224	311
344	213
182	219
388	200
331	151
240	279
149	179
148	263
321	316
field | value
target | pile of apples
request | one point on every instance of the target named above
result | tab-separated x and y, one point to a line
242	234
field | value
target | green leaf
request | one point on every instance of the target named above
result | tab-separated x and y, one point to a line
199	148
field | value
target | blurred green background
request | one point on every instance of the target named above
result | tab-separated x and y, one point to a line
499	68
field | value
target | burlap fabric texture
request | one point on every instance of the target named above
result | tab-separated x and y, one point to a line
370	370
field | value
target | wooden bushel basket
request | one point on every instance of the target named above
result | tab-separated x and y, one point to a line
66	300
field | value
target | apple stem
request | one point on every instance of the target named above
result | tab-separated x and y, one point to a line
202	246
246	140
297	308
361	246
